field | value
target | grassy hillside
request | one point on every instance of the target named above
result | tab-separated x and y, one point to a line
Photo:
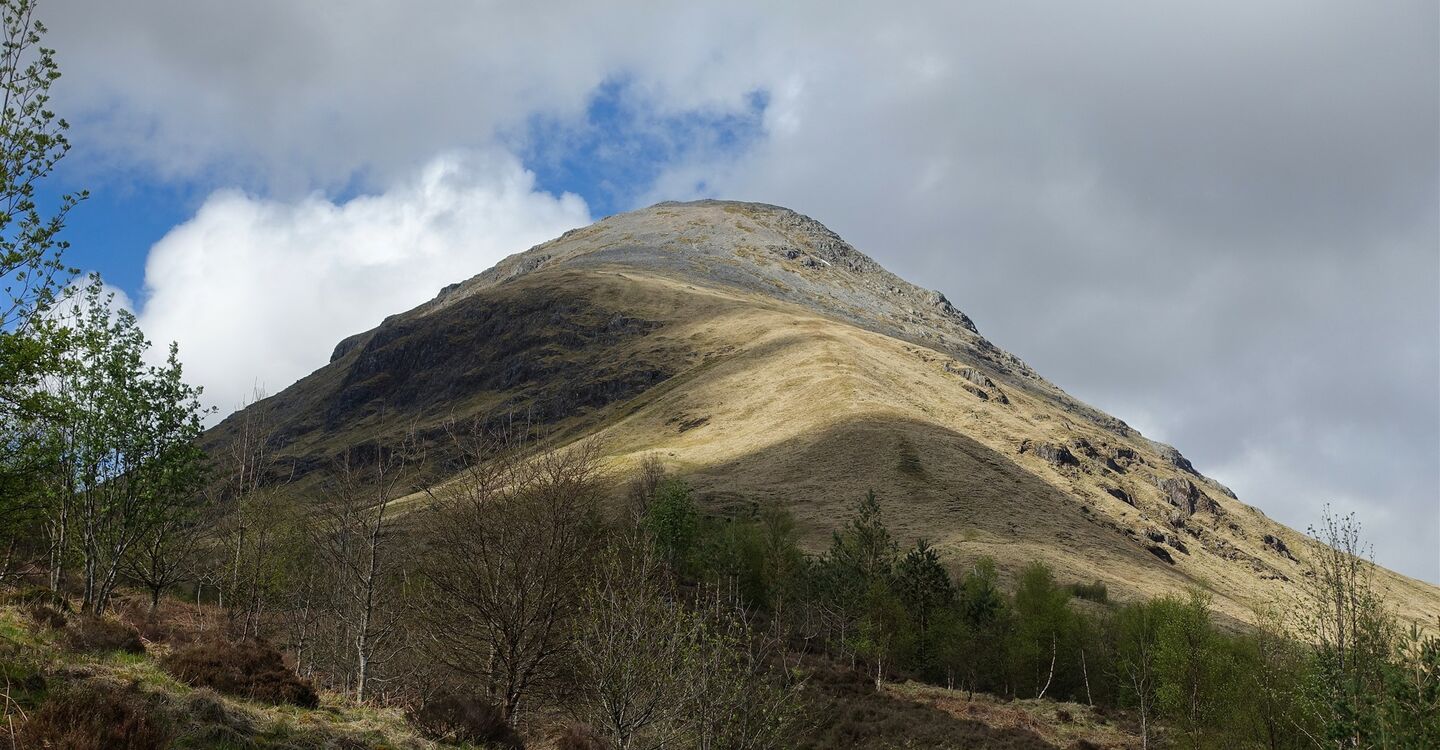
758	353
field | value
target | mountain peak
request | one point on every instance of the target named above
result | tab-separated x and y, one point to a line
769	360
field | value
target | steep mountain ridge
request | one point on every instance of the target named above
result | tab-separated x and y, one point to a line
770	361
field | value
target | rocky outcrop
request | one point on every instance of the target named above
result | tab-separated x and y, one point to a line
1277	545
977	383
1055	455
1185	496
1173	457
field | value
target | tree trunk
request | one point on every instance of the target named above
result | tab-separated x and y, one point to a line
1052	668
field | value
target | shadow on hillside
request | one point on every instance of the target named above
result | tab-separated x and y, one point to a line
850	713
935	483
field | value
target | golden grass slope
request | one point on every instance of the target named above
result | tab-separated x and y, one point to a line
775	403
777	363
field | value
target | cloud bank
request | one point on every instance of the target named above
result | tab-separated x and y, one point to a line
258	292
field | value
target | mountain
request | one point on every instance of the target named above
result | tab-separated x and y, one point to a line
767	360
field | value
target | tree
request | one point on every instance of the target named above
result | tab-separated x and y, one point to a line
1135	632
1353	635
927	594
357	550
636	648
985	615
249	517
1276	666
32	270
737	700
128	458
32	142
165	555
511	541
1042	621
853	577
672	521
1191	666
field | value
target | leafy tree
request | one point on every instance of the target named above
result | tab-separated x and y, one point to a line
1134	632
1272	670
1413	681
1355	641
32	142
985	618
127	441
1042	621
673	522
884	628
33	273
1192	667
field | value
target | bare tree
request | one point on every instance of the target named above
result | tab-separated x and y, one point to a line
165	555
353	535
250	517
1344	616
643	486
635	644
510	541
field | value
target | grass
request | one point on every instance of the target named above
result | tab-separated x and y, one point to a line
35	667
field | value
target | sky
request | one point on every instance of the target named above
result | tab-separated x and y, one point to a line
1218	221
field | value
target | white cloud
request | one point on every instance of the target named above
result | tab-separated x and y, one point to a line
258	292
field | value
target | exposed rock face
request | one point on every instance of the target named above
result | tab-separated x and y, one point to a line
1184	495
978	384
1177	460
1278	546
1055	455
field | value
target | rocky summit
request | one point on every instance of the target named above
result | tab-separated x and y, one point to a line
767	360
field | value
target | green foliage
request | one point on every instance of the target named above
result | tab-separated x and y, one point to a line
924	589
1043	628
673	522
864	551
125	436
32	142
1193	667
32	272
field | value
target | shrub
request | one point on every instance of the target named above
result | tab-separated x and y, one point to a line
1095	592
46	616
247	669
465	719
95	716
35	596
579	737
99	635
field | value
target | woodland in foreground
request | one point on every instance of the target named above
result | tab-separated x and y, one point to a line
523	601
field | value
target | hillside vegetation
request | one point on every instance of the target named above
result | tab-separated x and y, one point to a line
701	476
